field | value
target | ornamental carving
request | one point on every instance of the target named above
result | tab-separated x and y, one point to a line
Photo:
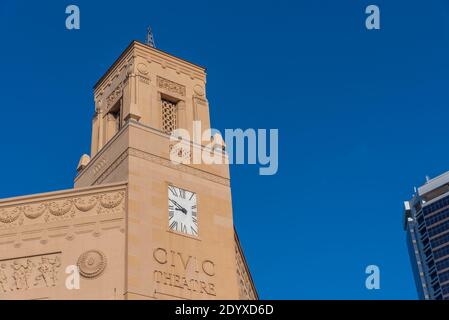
162	161
171	86
99	166
85	204
246	289
92	264
60	208
34	211
200	101
30	272
144	80
114	96
180	152
183	168
9	215
142	68
52	210
199	90
112	200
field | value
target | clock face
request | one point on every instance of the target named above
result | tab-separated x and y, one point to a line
182	211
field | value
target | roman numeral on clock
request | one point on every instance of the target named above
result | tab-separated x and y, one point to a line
194	232
182	193
173	191
174	225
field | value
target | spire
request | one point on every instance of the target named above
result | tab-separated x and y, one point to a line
150	38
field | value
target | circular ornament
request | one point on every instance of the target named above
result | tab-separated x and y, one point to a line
92	264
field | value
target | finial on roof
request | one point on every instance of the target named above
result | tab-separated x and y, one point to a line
150	38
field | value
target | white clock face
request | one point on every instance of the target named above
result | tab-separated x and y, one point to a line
182	211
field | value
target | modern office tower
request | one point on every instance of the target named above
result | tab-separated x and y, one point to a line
426	221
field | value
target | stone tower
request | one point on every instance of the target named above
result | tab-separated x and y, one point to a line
136	225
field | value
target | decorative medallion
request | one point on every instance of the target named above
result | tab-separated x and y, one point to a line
92	264
142	67
199	90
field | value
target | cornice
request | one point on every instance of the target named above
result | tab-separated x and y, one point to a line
138	49
61	194
59	209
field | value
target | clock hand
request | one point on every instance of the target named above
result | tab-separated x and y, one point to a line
179	206
176	204
182	210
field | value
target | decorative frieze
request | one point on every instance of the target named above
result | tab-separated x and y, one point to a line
144	80
52	210
26	273
115	95
186	154
171	87
180	167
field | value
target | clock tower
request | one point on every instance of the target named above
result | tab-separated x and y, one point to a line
137	225
180	236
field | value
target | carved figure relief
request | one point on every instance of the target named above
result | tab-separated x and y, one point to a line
4	286
28	273
48	269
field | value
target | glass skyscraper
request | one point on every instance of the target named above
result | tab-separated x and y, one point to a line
426	222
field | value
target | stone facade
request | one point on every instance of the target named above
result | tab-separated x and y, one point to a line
113	226
41	235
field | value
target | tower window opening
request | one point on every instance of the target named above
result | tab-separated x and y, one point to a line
116	115
169	115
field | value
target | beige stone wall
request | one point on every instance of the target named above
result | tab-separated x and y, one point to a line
138	80
161	261
41	235
108	165
116	218
162	264
247	289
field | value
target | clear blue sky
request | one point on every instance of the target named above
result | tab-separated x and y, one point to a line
363	117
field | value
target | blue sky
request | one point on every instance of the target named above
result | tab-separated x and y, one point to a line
362	117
